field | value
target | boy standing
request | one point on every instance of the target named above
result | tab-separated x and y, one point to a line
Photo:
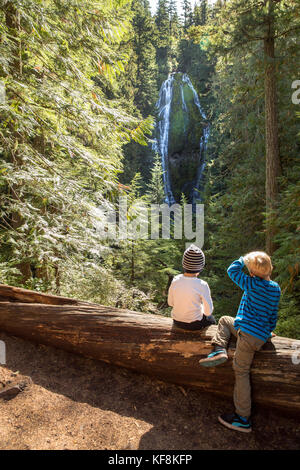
253	325
189	296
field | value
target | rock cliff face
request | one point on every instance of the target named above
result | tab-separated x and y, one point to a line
187	135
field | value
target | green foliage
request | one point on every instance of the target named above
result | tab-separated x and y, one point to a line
143	55
100	284
187	14
81	79
61	137
163	41
140	87
155	192
235	176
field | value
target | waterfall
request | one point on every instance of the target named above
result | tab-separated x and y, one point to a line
161	143
204	137
186	79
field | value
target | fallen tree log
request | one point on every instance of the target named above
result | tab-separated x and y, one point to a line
149	344
18	294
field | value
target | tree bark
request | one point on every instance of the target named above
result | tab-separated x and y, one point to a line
18	294
271	128
149	344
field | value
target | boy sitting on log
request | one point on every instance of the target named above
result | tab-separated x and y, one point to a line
189	296
253	325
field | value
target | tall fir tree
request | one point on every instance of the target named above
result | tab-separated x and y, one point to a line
236	189
140	85
163	42
145	81
236	24
187	14
61	136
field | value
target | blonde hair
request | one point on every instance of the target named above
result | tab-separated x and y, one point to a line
258	263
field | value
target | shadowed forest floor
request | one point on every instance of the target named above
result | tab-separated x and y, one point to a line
79	403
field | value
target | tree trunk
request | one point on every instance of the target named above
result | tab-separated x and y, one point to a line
132	274
271	129
149	344
17	294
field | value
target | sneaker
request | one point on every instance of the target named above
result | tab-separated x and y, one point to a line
216	357
236	422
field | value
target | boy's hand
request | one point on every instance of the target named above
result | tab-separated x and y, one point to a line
246	263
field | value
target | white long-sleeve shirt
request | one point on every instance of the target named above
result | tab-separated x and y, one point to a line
190	298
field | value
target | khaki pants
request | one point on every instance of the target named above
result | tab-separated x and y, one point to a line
245	349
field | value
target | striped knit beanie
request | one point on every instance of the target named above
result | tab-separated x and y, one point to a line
193	259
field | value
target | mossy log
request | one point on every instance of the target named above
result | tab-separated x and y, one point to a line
149	344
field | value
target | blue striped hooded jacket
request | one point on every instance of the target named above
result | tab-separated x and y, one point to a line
257	312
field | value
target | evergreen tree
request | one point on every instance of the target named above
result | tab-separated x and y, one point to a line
204	11
237	24
193	59
174	20
140	87
61	137
145	80
197	17
235	191
155	191
162	22
175	34
200	13
187	14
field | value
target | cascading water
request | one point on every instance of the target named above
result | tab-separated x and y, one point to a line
204	137
162	145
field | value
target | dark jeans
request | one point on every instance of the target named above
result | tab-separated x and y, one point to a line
196	325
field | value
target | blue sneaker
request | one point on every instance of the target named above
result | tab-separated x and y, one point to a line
236	422
216	357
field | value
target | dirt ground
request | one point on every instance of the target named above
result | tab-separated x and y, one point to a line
78	403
